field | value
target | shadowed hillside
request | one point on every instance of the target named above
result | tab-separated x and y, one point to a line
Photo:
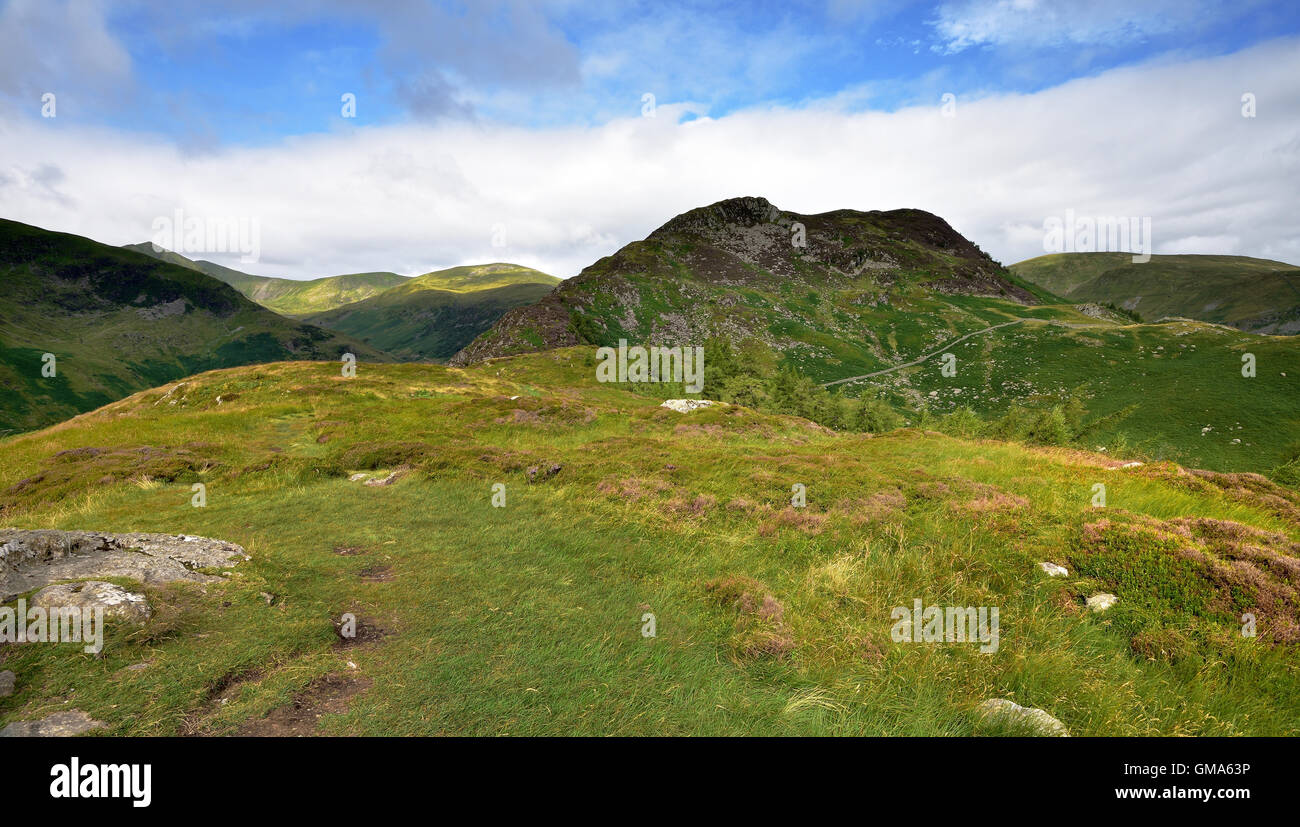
117	321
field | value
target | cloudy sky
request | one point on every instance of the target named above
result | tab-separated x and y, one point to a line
410	135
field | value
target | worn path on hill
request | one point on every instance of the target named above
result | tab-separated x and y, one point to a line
949	345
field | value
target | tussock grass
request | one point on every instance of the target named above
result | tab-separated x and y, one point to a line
527	619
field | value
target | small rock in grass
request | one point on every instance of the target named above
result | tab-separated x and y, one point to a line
1054	570
393	476
7	681
688	405
1102	602
58	725
1011	712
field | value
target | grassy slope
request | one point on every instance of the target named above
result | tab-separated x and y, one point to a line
289	297
434	315
100	311
1248	293
526	619
1178	378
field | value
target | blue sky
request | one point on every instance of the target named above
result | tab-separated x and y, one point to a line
219	73
472	116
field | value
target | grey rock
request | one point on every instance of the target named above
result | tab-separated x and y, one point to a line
1102	602
163	309
393	476
1054	570
114	600
688	405
1001	709
7	682
36	558
58	725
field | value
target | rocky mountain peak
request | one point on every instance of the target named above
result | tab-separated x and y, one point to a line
745	211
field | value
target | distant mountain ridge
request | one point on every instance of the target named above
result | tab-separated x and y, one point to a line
472	277
1251	294
289	297
430	316
435	315
116	322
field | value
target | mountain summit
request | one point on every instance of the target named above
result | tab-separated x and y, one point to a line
744	267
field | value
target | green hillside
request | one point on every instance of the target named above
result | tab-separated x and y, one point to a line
872	293
733	269
288	297
532	618
435	315
1251	294
117	322
1171	391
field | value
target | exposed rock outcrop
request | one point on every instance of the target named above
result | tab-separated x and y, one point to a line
32	559
58	725
116	601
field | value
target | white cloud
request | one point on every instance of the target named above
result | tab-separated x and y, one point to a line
59	45
1200	245
1166	141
